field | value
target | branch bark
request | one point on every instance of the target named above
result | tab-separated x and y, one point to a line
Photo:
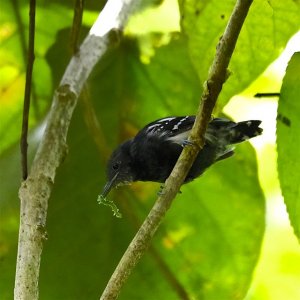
212	87
36	189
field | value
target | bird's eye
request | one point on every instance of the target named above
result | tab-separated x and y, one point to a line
116	166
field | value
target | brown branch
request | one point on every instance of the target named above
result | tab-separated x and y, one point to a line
27	94
262	95
36	189
76	26
23	45
216	78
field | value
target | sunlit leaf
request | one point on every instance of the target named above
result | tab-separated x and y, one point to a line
288	132
267	29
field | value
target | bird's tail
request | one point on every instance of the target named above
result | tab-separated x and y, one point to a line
243	131
223	132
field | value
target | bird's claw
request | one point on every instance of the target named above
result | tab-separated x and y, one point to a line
187	143
161	190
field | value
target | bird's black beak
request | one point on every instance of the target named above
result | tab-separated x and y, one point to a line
109	185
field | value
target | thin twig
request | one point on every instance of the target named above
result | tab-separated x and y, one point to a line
36	189
27	94
262	95
216	78
23	45
76	26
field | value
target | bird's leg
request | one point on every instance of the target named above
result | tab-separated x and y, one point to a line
187	143
161	190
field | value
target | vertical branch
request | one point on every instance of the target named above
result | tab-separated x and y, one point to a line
26	106
213	85
76	26
35	191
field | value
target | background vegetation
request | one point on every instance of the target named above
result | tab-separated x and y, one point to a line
211	240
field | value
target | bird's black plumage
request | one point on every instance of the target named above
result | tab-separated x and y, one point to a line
153	152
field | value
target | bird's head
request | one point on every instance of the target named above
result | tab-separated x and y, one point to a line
119	168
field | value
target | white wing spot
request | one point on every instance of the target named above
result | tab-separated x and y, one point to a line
152	127
175	127
166	120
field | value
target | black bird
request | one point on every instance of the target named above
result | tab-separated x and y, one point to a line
153	152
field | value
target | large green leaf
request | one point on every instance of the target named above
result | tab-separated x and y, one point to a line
211	237
139	93
208	244
288	132
198	224
265	32
134	92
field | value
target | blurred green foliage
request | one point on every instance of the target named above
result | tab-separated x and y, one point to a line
209	243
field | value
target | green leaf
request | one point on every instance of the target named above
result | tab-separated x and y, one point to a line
208	244
288	132
265	32
219	238
216	226
142	92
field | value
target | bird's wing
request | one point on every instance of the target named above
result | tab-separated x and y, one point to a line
220	131
174	129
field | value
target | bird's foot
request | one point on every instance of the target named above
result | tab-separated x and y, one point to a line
187	143
161	190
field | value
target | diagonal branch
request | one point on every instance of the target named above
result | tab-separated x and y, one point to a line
213	85
36	189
